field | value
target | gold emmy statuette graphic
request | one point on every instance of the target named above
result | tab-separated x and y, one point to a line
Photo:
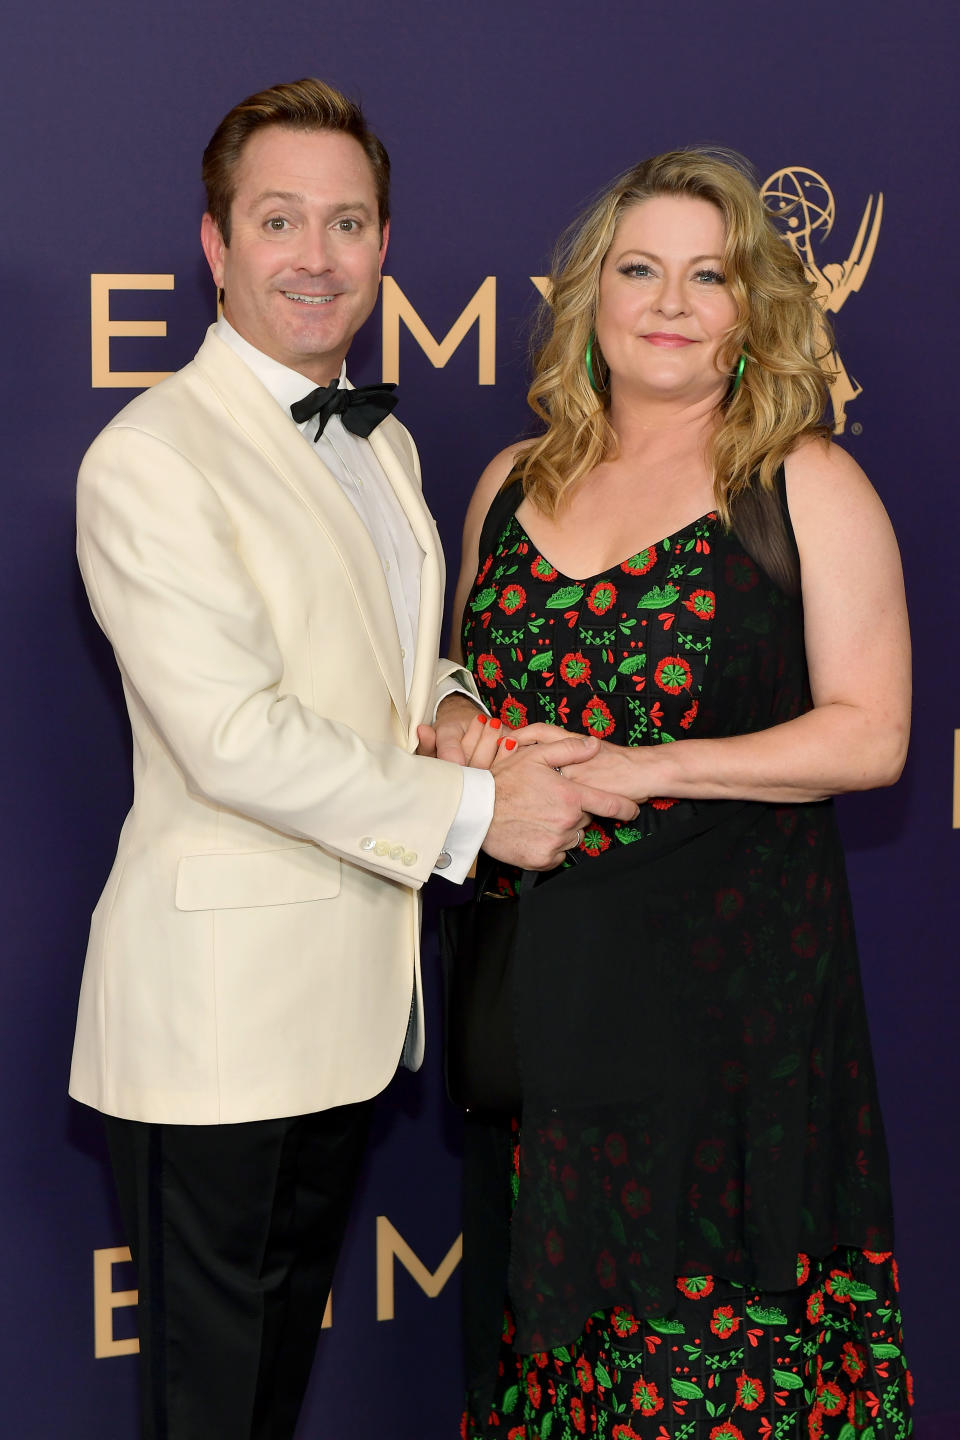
803	207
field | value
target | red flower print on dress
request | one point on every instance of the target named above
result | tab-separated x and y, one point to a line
519	1432
602	597
724	1321
695	1287
733	1076
533	1389
740	572
727	904
750	1392
553	1244
615	1149
831	1398
662	802
597	718
624	1321
513	713
606	1270
488	670
838	1284
815	1307
730	1197
689	715
703	604
575	668
482	572
570	1182
595	841
512	597
673	674
708	1155
646	1397
584	1374
853	1361
803	940
541	569
635	1199
625	1432
578	1415
509	1326
877	1257
815	1423
803	1268
726	1431
640	563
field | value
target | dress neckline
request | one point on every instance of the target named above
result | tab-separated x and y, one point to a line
617	564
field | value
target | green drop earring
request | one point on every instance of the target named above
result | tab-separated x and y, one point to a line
738	373
589	359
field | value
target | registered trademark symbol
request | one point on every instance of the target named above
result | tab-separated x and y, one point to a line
856	428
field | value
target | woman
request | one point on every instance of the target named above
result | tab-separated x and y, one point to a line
697	1241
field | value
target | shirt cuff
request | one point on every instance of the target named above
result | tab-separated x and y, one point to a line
451	686
470	825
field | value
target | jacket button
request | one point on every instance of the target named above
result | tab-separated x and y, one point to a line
396	852
368	843
382	847
410	858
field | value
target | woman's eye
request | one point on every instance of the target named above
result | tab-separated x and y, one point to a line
711	277
638	268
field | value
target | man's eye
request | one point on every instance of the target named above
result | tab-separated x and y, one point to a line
347	225
276	222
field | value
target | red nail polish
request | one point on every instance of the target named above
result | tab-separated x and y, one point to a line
509	744
483	719
494	724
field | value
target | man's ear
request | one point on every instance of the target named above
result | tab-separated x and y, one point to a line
384	242
214	247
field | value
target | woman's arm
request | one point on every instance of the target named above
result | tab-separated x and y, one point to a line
858	654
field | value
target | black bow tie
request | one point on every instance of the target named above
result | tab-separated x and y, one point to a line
361	410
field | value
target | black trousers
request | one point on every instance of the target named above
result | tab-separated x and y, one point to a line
235	1231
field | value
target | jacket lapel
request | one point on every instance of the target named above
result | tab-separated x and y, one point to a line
394	450
257	414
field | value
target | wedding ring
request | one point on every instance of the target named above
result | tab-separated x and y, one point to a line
576	843
558	770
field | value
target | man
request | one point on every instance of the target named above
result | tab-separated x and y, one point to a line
271	581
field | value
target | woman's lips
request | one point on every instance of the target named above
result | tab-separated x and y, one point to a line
667	340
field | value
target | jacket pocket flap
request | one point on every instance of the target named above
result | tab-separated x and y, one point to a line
235	880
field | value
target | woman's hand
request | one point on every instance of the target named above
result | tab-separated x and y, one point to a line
618	769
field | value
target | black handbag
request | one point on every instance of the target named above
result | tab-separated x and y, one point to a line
477	949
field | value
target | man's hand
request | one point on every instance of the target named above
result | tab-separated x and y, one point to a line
455	715
537	811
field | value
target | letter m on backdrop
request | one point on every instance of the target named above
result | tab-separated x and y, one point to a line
481	311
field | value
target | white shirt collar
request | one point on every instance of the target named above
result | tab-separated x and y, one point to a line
285	385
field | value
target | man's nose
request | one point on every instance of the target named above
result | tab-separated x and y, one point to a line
314	252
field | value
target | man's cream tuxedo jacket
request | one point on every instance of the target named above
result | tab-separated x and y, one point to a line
255	951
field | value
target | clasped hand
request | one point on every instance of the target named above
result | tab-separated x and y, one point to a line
545	798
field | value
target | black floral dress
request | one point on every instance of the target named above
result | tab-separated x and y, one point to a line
691	1220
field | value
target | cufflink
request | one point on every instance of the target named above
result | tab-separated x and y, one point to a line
443	861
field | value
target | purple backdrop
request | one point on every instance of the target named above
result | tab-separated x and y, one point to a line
501	120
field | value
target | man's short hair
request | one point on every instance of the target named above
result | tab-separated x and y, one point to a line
300	105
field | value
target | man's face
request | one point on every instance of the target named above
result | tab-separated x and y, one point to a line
302	269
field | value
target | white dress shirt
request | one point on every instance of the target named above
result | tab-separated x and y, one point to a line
356	469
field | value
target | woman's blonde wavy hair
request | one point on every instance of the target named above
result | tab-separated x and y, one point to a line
779	327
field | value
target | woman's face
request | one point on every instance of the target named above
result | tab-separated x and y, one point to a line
664	307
